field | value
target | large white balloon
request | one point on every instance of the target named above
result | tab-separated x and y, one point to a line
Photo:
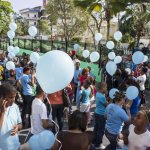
137	57
32	31
11	55
16	49
94	56
13	26
98	37
118	59
55	70
111	55
76	47
111	68
11	34
34	57
10	65
112	93
110	45
85	53
10	49
145	58
132	92
117	35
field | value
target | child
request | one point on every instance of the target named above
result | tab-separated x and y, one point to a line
85	98
139	136
100	120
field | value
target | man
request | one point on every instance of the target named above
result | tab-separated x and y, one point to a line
27	82
39	115
77	73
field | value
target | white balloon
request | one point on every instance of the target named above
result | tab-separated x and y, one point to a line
55	70
32	31
132	92
137	57
34	57
112	93
10	49
111	55
118	59
10	65
128	70
111	68
117	35
13	26
76	46
11	34
94	56
145	58
98	37
16	49
110	45
85	53
11	55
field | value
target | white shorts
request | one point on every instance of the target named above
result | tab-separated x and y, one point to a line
85	108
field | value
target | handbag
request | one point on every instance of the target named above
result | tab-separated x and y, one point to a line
66	99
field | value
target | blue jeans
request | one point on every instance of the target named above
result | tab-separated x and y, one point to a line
78	96
99	129
112	139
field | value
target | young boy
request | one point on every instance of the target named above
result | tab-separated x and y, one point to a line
100	120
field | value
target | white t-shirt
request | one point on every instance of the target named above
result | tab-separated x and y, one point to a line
39	112
142	80
138	142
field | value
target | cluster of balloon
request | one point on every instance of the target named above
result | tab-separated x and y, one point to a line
76	47
117	35
94	56
118	59
10	65
34	57
32	31
112	93
42	141
138	57
132	92
13	51
11	32
85	53
110	45
54	71
111	68
111	55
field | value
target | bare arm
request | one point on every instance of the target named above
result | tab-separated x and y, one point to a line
2	111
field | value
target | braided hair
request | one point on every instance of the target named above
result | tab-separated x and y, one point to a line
118	96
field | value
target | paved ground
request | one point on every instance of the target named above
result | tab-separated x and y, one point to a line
23	133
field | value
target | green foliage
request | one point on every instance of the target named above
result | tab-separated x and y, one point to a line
43	26
22	27
5	11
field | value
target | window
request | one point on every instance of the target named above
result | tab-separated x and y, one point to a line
34	16
35	23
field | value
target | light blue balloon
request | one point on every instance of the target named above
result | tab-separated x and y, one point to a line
111	68
132	92
112	93
76	47
138	57
42	141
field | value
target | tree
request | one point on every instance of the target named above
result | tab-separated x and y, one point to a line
70	21
43	26
134	21
5	11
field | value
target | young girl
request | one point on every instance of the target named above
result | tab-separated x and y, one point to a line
139	136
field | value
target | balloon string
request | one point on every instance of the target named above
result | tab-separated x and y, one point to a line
54	123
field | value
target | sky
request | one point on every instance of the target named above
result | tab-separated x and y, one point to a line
21	4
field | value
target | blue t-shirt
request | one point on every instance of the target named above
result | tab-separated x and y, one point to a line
19	73
85	95
11	118
135	106
115	118
100	103
25	80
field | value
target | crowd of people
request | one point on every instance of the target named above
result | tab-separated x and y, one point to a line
23	105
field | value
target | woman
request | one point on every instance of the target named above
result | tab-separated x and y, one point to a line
116	116
75	138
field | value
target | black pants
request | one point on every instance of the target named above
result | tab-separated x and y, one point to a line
112	139
99	129
57	113
26	110
142	95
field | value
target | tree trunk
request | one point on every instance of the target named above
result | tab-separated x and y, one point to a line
108	29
